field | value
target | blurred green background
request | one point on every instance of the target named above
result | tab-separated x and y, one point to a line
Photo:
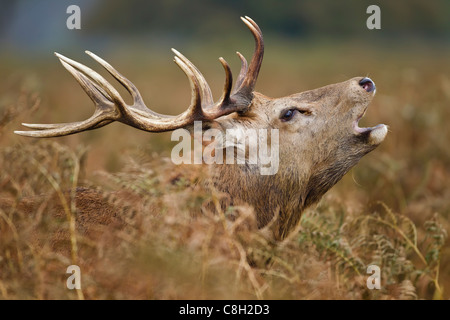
39	26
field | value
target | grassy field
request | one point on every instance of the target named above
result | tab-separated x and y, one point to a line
160	241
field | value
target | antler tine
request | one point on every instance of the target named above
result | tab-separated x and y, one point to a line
57	125
225	105
100	95
249	80
97	94
253	23
195	111
63	129
76	68
127	84
242	72
228	83
207	98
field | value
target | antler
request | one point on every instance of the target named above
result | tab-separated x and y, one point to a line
109	105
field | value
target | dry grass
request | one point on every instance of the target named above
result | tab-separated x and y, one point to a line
161	240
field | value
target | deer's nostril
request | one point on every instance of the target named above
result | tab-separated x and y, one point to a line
367	84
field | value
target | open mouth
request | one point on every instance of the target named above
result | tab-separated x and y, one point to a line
358	129
375	134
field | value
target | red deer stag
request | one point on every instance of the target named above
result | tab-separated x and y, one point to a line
319	136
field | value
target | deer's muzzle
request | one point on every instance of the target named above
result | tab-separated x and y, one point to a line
367	84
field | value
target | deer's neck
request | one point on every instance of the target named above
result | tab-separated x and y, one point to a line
285	194
270	195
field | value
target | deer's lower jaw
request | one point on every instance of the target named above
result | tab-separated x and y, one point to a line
376	134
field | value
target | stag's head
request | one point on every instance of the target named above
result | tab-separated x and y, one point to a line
319	136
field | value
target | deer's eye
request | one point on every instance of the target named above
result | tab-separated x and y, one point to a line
287	115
